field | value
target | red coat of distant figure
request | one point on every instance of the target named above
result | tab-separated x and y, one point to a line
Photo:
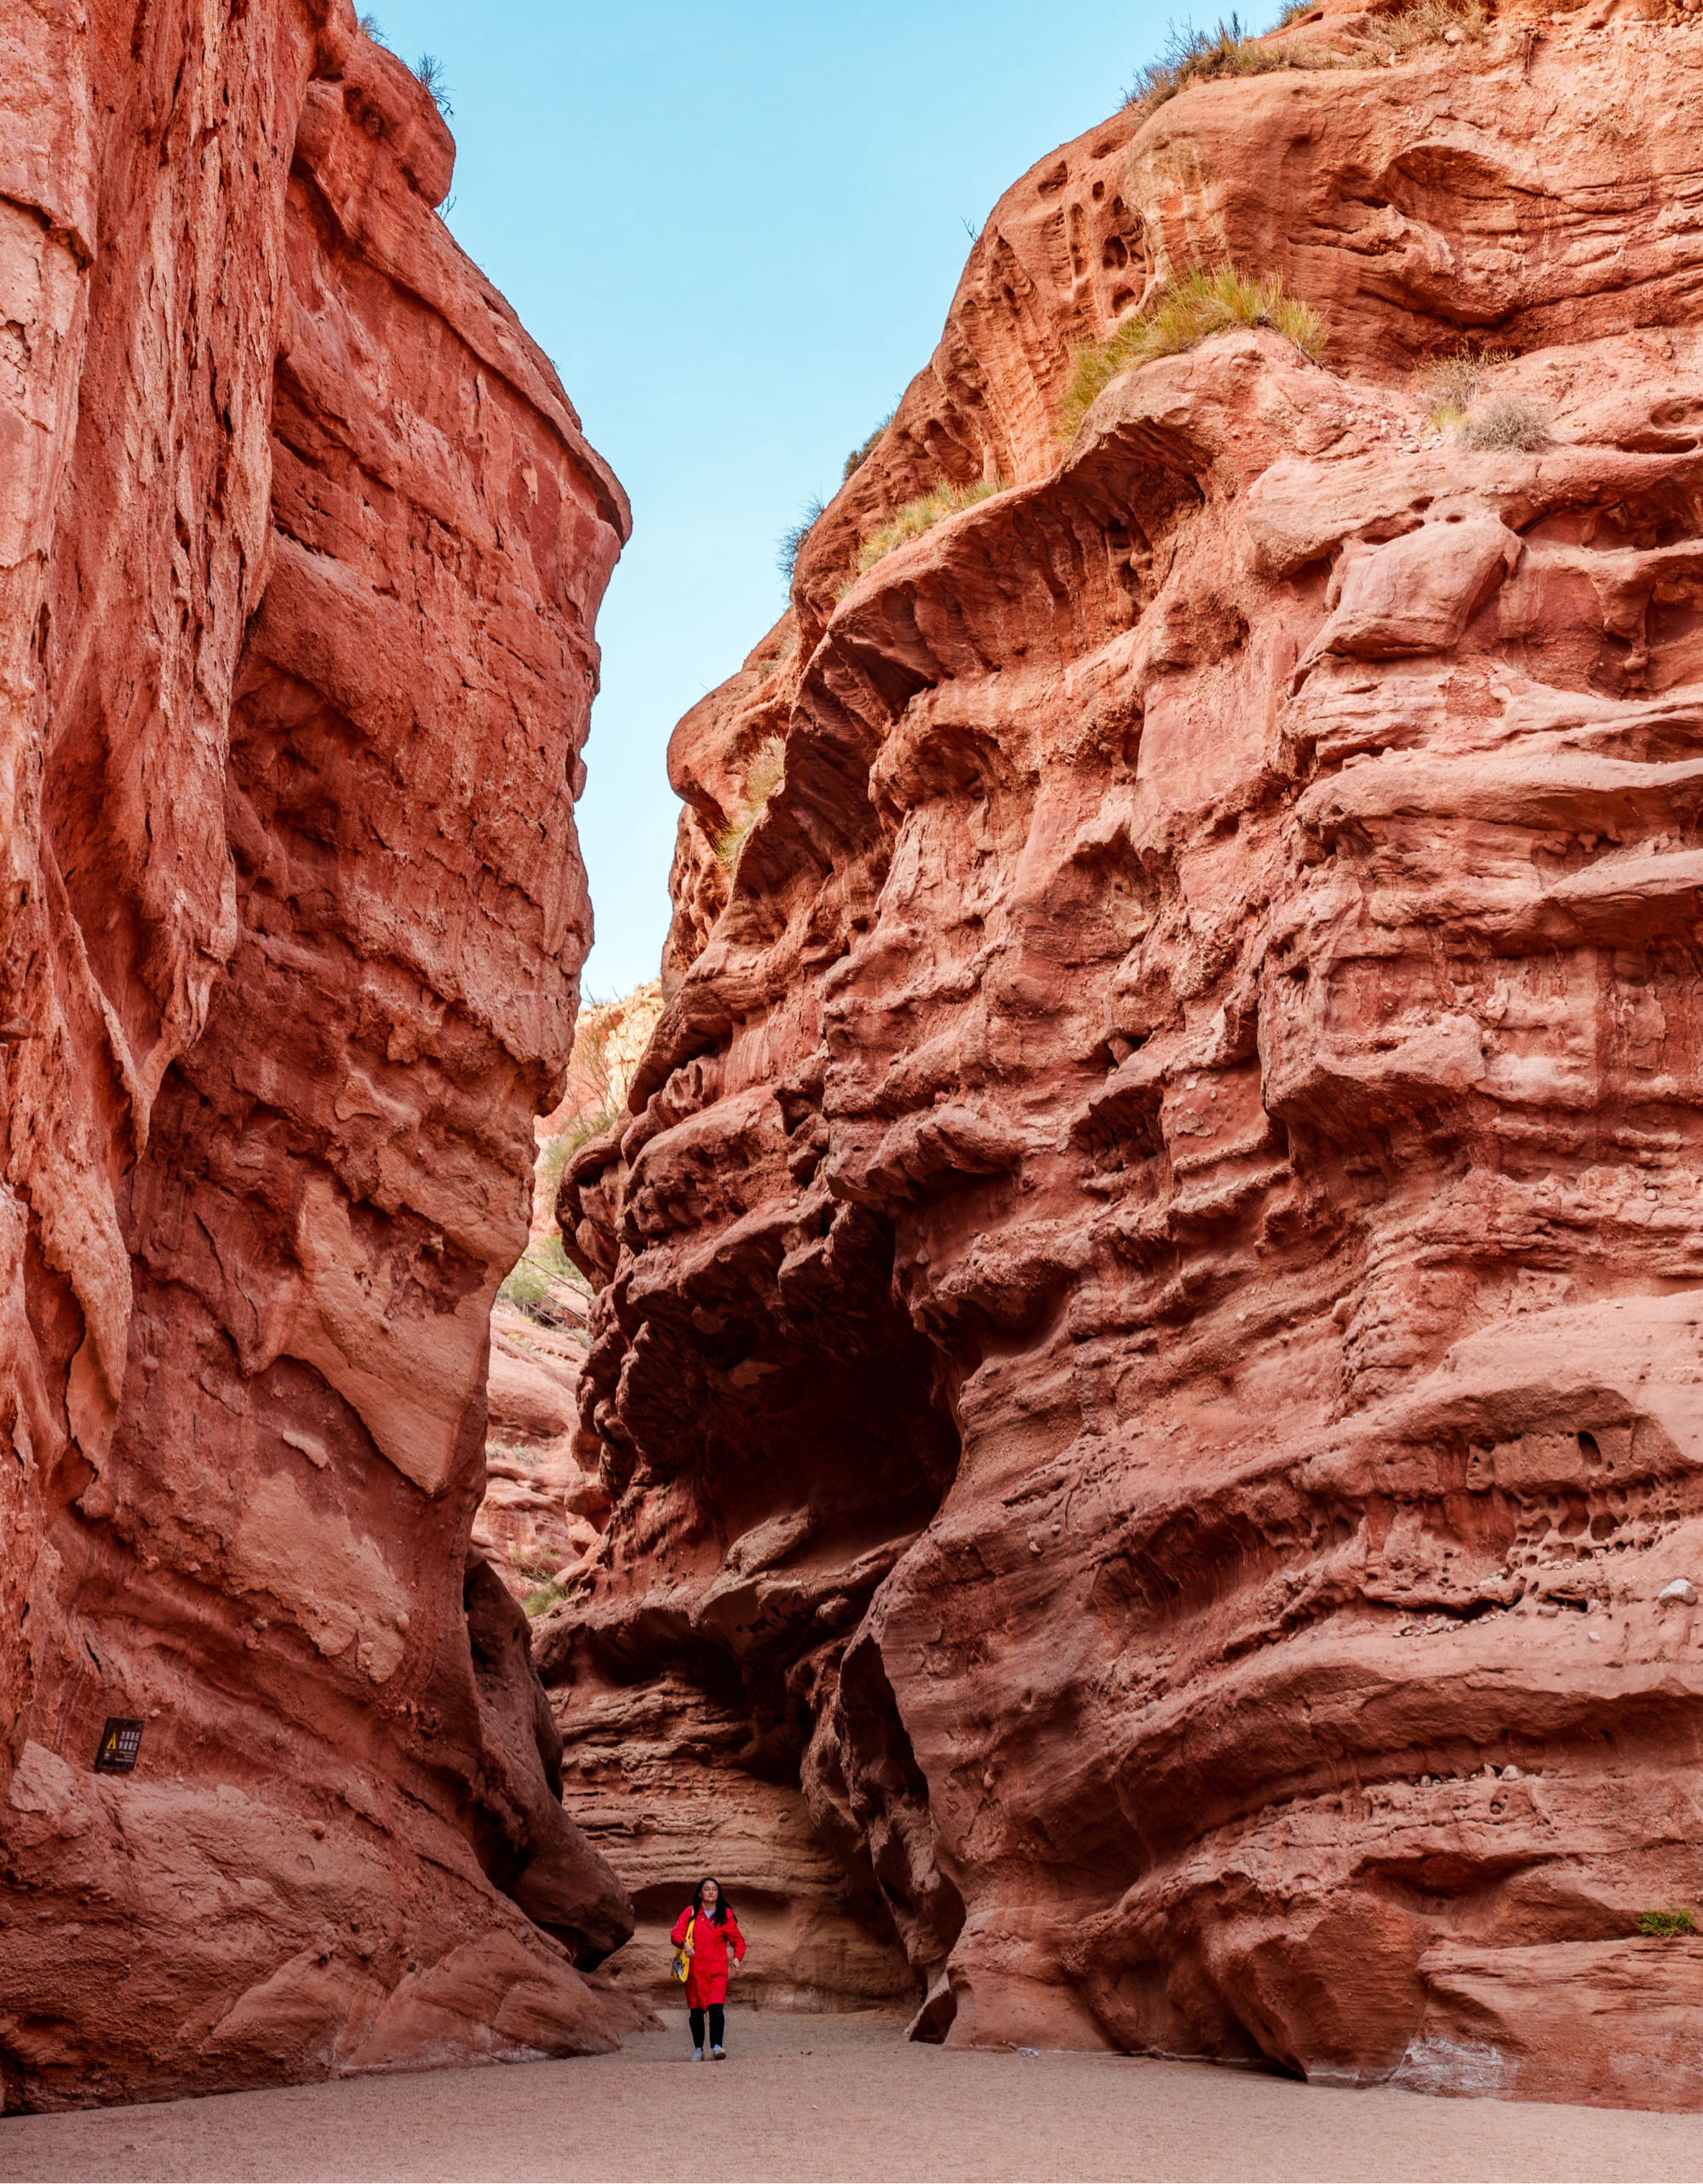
707	1980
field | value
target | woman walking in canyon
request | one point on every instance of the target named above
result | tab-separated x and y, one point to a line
703	1930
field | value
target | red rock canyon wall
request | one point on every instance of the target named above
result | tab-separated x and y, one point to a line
1147	1348
300	547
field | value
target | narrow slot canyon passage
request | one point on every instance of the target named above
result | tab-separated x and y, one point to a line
1090	1399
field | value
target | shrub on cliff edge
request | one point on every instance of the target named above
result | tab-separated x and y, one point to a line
1192	56
918	516
792	541
430	71
1196	306
860	456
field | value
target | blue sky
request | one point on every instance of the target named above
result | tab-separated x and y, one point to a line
735	226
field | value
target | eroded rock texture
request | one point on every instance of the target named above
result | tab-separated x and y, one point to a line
1148	1351
300	550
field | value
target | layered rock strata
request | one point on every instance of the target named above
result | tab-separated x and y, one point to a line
1148	1345
300	546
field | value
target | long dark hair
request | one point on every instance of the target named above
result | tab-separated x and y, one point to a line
719	1917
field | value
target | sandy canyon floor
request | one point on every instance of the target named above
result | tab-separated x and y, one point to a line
845	2098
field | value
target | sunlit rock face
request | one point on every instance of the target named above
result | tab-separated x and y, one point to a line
300	550
1150	1347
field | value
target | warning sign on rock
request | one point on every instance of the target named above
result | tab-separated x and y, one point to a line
120	1741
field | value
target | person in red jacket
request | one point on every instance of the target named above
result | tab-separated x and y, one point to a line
710	1917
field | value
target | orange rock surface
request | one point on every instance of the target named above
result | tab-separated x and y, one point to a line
1148	1350
300	546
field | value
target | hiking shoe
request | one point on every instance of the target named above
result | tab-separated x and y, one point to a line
719	2055
697	2054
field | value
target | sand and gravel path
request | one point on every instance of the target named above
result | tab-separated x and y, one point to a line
846	2097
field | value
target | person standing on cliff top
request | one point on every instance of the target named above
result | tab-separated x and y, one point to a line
709	1918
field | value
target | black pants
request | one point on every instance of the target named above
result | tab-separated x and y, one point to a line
715	2026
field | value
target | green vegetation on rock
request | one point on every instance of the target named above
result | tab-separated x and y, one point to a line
1665	1925
542	1268
920	515
1192	307
1192	56
860	456
1230	49
763	777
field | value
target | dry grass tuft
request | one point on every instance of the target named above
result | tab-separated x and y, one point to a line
860	456
1506	420
1451	382
771	661
1192	56
1429	22
430	71
919	515
763	777
1196	306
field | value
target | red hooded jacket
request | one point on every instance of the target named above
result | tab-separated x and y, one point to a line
707	1980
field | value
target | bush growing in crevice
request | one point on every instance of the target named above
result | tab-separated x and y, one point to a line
1665	1925
762	777
1453	387
918	516
550	1594
1192	307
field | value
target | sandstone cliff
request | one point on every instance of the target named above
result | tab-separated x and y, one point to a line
1147	1351
300	547
545	1503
